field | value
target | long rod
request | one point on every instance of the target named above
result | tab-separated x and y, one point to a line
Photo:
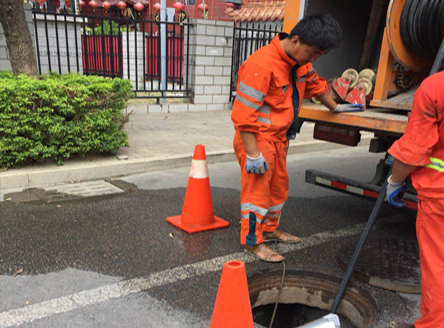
47	41
67	44
37	37
163	67
360	246
77	46
57	43
438	60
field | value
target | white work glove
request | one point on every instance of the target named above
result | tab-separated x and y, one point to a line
395	191
256	165
344	108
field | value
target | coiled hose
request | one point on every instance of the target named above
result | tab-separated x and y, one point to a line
422	26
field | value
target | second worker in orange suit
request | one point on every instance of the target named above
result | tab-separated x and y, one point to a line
420	154
272	83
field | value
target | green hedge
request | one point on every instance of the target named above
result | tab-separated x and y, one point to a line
59	116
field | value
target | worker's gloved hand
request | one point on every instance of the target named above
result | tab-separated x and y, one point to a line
344	108
256	165
395	191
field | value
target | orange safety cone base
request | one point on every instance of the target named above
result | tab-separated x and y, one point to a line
232	308
176	221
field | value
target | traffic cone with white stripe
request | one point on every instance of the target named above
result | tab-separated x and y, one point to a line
197	212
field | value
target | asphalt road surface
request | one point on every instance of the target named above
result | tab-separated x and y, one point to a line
113	261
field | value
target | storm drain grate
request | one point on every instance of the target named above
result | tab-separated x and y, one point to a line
388	263
88	189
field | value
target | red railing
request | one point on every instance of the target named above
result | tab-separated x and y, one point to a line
106	62
98	62
175	55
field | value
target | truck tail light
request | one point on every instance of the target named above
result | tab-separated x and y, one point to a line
338	135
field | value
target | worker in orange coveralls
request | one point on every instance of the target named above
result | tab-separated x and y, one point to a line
271	85
420	153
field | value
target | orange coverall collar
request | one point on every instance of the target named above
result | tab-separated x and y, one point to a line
276	42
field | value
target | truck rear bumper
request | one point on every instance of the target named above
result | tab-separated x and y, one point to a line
350	186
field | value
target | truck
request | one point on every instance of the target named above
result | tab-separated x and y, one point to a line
398	67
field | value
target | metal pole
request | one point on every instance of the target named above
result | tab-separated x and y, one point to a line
163	68
204	11
302	8
438	60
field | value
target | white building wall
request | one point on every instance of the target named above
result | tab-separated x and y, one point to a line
48	33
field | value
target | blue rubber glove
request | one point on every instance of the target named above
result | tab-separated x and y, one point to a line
344	108
256	165
395	191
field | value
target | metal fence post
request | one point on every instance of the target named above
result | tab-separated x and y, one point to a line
163	40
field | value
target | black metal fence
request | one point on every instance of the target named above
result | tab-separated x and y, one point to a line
247	38
107	43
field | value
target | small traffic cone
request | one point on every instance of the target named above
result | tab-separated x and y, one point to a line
232	308
197	212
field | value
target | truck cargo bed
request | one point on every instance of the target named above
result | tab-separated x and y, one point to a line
376	120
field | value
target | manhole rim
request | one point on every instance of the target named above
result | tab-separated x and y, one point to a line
270	280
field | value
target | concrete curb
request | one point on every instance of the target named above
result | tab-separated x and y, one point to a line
56	175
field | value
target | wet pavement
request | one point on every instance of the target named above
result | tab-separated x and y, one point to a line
123	265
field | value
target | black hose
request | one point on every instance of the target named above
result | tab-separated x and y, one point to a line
422	26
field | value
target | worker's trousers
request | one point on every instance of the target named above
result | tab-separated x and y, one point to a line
430	233
262	195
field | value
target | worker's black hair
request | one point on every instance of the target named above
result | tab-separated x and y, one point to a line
319	30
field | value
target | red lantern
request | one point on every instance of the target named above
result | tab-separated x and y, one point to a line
178	6
93	4
121	5
56	3
81	3
156	6
106	5
139	7
67	3
200	6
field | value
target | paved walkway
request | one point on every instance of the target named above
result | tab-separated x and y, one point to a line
157	142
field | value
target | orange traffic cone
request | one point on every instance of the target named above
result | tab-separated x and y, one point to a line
232	308
197	212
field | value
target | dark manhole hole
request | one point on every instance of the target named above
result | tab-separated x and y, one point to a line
307	296
292	315
388	263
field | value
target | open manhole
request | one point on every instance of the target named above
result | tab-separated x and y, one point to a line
307	296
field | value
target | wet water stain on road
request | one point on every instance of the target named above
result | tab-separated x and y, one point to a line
124	235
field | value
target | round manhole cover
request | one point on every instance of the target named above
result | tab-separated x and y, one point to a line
387	263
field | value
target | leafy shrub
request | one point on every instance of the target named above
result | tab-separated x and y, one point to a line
106	26
59	116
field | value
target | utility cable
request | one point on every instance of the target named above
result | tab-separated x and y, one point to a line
280	288
422	26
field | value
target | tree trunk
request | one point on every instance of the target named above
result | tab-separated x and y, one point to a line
18	37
